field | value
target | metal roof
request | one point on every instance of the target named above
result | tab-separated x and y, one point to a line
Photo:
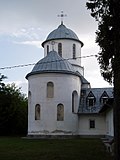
53	63
83	80
97	92
62	32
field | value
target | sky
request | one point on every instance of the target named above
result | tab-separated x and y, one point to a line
25	24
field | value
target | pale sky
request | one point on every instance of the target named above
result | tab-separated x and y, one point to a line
25	24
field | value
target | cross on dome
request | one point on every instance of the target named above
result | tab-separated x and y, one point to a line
62	15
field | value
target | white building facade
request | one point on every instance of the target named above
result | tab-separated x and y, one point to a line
60	99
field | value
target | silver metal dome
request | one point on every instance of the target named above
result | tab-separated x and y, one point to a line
62	32
53	63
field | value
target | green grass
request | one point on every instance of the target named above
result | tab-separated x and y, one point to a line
15	148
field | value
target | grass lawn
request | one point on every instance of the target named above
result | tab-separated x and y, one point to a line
15	148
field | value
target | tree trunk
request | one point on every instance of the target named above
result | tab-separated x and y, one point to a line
117	109
116	69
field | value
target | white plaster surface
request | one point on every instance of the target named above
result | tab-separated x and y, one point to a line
84	128
64	85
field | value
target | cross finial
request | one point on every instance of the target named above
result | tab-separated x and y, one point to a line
62	15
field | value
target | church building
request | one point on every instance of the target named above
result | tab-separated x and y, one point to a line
61	101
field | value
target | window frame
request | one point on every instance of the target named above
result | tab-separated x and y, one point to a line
47	49
37	112
104	97
92	123
90	99
74	100
60	49
60	114
50	89
74	51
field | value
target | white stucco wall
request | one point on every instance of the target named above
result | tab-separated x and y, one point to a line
64	85
84	128
109	123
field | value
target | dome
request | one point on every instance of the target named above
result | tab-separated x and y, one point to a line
52	63
62	32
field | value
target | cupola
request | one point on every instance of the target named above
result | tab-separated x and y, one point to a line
62	32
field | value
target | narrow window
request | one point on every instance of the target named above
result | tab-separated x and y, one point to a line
29	98
92	123
60	112
90	99
60	49
50	90
91	102
29	93
104	97
74	51
37	112
74	100
73	104
47	49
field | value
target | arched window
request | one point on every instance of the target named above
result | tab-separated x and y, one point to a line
90	99
74	100
74	51
29	94
37	112
50	90
60	49
47	49
29	98
60	112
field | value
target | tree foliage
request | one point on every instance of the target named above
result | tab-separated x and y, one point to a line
102	11
2	77
13	109
107	13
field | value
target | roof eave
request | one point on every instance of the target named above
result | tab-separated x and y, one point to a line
50	71
82	44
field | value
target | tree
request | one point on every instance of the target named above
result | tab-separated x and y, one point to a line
2	77
13	110
107	13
